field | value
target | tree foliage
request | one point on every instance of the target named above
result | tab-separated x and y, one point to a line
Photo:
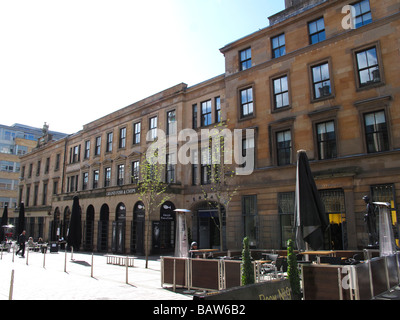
152	192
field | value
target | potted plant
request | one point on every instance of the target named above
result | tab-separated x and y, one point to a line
293	271
247	268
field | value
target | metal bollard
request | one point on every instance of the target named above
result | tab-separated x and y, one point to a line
10	296
126	265
91	271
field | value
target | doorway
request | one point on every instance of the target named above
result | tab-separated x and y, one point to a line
102	235
89	229
118	229
137	230
208	226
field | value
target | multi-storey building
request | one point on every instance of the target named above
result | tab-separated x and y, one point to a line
15	140
322	77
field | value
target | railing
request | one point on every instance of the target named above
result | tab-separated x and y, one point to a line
367	280
204	274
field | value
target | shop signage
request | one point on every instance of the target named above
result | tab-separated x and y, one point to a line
121	192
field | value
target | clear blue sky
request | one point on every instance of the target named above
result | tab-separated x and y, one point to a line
70	62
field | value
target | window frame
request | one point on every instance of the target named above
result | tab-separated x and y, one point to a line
109	141
362	14
97	149
153	126
274	94
245	61
206	115
318	32
171	125
241	104
355	52
376	132
137	128
279	47
313	83
122	138
120	174
276	127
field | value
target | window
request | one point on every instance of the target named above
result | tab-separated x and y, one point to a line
98	146
85	180
368	67
170	172
135	172
217	109
153	128
250	223
206	113
109	142
321	81
194	116
38	168
247	146
284	147
47	166
286	213
326	139
171	122
76	154
246	102
136	133
121	174
35	194
281	92
87	149
122	138
206	166
57	166
316	30
195	166
107	177
363	13
30	170
95	179
27	196
278	46
245	59
376	132
55	187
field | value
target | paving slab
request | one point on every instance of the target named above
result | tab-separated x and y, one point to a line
49	277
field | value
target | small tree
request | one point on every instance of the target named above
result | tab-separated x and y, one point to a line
293	271
221	175
247	268
152	192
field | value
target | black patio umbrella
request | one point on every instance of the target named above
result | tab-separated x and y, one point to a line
21	219
311	220
4	222
75	226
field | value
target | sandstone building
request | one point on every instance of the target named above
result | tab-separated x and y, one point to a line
316	79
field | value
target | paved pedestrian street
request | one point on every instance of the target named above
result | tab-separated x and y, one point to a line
57	280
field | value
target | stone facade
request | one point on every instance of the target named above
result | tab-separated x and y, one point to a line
321	84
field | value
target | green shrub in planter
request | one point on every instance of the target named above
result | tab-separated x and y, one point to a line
293	271
247	267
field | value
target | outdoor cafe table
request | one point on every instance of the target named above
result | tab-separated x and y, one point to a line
204	251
